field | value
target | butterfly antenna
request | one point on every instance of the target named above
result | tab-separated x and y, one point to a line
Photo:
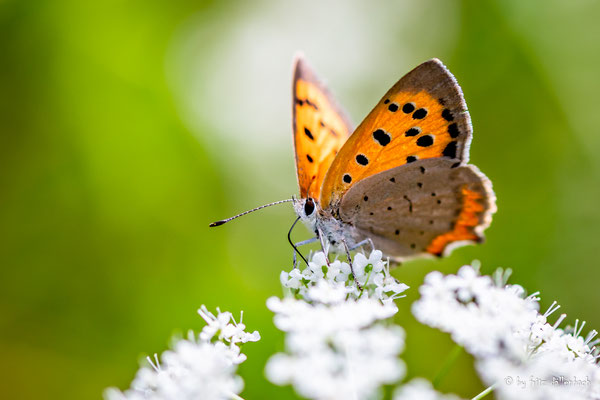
221	222
292	243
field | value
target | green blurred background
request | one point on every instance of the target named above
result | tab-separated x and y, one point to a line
128	126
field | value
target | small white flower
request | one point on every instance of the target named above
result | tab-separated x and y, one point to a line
326	293
196	368
420	389
214	324
292	280
225	326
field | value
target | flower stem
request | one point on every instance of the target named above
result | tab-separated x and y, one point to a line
235	396
484	393
365	284
447	365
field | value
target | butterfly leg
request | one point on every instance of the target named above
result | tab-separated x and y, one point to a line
358	285
324	245
302	243
362	243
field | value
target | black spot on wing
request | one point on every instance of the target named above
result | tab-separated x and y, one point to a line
308	133
453	130
447	115
382	137
425	141
309	103
414	131
408	108
420	113
313	105
410	205
361	159
450	150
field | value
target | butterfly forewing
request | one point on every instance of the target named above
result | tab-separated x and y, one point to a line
422	116
320	129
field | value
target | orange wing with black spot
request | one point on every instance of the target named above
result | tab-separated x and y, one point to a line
422	116
320	129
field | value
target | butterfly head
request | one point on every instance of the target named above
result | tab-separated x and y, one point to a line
306	209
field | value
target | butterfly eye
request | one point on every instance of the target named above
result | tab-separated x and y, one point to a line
309	207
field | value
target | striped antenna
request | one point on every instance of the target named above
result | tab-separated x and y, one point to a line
221	222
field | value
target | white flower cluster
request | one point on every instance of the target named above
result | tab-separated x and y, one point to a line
201	367
338	346
516	349
373	275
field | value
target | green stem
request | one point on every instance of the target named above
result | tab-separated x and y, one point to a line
447	365
484	393
365	284
235	396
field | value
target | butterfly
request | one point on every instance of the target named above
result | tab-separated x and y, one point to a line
401	179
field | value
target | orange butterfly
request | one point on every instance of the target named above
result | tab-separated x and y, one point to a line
401	180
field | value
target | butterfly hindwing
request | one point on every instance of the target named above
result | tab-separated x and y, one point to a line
422	116
421	207
320	129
